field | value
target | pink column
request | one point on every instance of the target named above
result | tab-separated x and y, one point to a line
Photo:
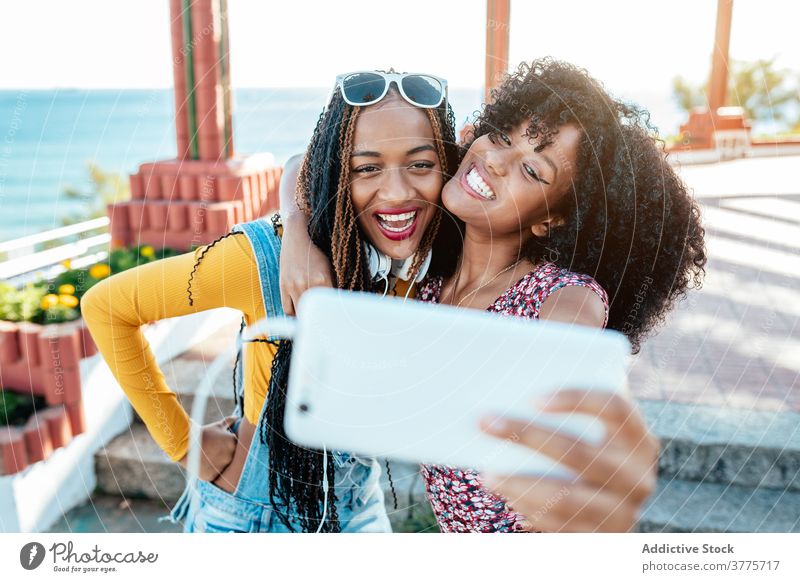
208	81
718	84
498	17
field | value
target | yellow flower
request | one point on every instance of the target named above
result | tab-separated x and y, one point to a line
100	271
66	289
147	251
67	264
68	300
49	301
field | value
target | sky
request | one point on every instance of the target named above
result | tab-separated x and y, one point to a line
631	45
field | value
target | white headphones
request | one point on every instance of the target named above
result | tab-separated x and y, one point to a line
382	266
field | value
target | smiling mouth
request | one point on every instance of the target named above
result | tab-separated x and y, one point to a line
477	186
397	226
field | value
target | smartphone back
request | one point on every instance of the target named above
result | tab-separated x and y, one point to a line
409	381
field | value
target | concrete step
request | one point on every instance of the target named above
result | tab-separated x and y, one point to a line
134	466
687	506
747	448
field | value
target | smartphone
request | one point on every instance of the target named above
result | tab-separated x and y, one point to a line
408	380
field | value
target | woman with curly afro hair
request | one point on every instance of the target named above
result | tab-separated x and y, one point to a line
568	211
571	213
625	218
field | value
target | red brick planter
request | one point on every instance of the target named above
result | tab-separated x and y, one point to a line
42	360
181	203
13	453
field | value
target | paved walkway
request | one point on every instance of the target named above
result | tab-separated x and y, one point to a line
736	342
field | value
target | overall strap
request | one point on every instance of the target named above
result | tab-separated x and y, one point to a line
266	244
265	241
264	235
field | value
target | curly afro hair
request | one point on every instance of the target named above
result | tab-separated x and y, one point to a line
630	222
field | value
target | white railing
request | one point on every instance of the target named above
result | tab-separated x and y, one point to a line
34	256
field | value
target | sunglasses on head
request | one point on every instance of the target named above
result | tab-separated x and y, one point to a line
368	87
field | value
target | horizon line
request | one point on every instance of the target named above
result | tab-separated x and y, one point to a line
162	88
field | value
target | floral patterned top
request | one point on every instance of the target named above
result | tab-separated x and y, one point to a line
459	501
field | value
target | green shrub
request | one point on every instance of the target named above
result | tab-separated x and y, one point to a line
15	409
21	304
58	301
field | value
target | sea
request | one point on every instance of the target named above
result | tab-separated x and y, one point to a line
48	138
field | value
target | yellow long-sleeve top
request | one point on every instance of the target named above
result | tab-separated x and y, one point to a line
116	308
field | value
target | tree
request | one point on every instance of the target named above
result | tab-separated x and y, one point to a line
760	88
688	96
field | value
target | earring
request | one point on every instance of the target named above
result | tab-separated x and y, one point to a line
537	229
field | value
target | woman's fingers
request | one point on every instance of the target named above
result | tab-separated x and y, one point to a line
320	279
613	478
219	446
583	458
625	461
628	437
292	290
615	410
286	301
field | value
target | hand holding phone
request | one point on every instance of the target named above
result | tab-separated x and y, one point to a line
614	478
410	380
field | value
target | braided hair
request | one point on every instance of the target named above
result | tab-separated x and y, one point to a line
296	472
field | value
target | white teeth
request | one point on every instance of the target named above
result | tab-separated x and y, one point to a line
395	229
397	222
476	183
397	217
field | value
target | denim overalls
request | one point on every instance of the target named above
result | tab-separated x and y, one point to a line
360	502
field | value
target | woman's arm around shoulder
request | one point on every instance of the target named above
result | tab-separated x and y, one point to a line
303	265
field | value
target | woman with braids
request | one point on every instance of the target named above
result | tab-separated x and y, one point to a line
252	478
570	213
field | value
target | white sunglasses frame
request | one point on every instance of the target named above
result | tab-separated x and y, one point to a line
389	78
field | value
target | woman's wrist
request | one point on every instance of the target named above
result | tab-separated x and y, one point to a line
184	460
